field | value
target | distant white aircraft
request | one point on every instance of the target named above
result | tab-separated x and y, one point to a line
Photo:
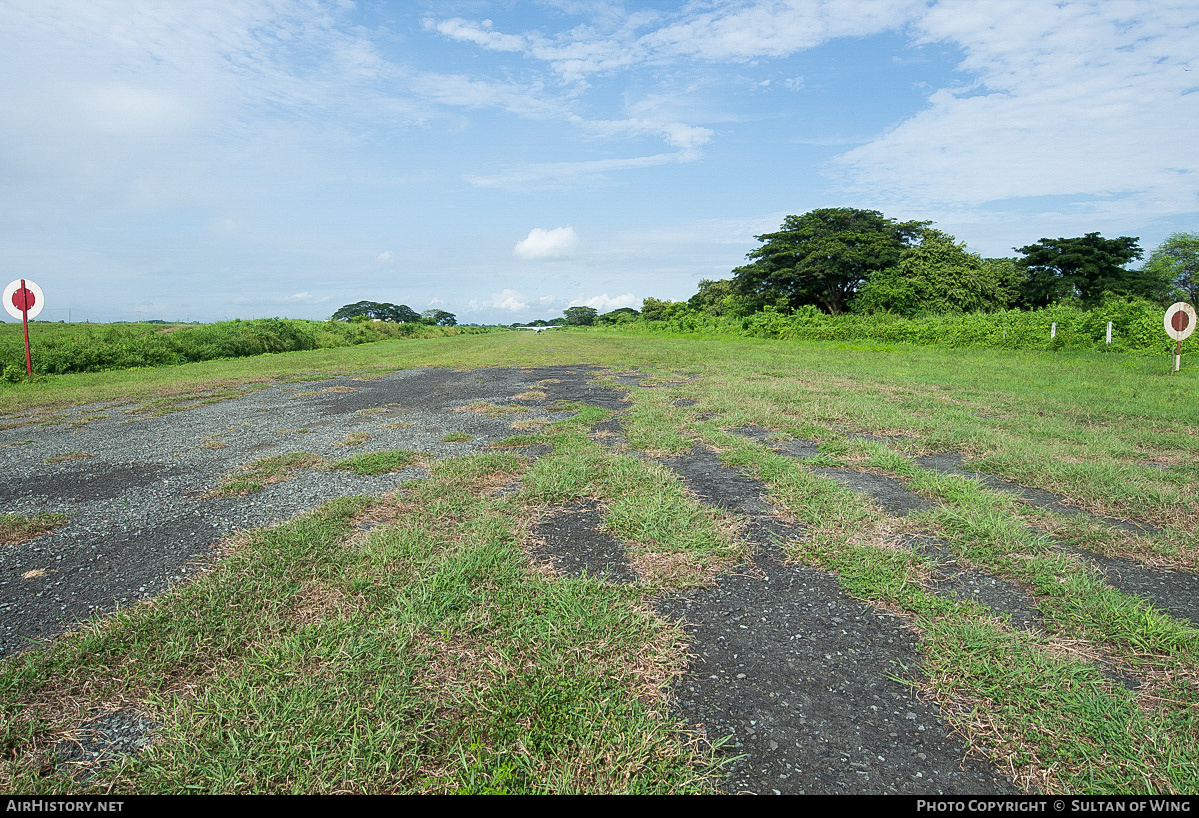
538	329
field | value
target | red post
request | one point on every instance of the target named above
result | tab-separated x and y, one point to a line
25	322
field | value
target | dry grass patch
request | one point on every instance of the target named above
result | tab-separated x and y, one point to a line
319	601
532	394
69	456
676	570
18	528
255	476
492	410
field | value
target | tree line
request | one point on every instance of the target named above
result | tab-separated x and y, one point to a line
845	260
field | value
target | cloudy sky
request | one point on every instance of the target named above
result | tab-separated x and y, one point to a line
210	159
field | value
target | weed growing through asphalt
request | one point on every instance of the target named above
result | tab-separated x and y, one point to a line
492	410
372	463
257	475
353	439
19	528
69	456
456	437
1041	703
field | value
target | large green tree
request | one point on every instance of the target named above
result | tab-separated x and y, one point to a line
1176	262
580	316
822	258
396	313
1083	268
439	318
937	276
718	298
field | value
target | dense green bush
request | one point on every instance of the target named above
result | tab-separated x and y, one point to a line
61	348
1136	327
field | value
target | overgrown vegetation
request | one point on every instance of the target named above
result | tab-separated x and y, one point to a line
264	471
19	528
1136	328
379	462
62	348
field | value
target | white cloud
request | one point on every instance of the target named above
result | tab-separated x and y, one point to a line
1076	99
558	174
385	256
478	33
603	303
732	32
509	300
559	242
1082	99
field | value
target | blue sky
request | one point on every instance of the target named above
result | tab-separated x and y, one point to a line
215	159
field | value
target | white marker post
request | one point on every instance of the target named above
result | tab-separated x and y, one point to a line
23	299
1109	333
1179	323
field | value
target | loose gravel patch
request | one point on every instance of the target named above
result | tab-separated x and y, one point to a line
138	515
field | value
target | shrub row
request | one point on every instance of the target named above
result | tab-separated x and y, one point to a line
1136	327
61	348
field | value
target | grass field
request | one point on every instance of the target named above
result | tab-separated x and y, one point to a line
426	656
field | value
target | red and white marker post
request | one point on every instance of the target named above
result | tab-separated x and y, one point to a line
1180	323
23	299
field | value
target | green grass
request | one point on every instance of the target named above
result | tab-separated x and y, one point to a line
423	658
372	463
19	528
255	476
426	656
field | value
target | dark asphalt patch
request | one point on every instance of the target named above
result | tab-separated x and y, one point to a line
801	675
954	581
952	463
794	448
91	480
1175	592
887	491
572	541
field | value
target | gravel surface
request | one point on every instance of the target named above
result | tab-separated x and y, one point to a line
136	504
799	676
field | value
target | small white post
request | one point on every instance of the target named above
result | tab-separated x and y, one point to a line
1109	333
1053	330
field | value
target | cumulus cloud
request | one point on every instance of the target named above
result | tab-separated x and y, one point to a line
385	257
509	300
540	244
604	303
